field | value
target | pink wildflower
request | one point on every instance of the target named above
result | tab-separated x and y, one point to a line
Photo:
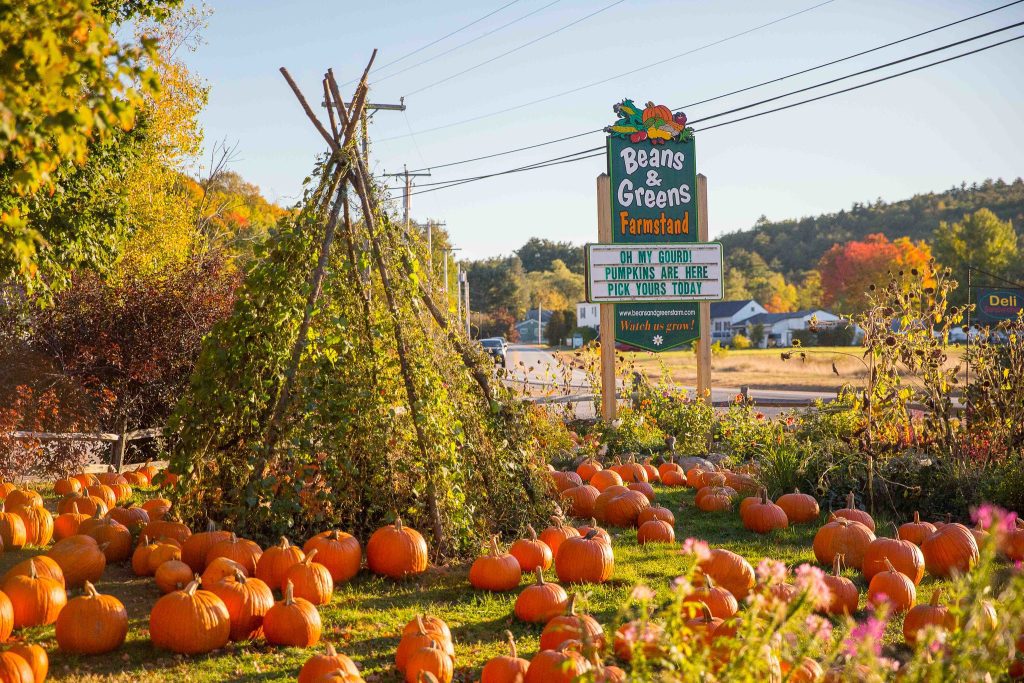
642	592
818	627
994	518
811	580
869	634
771	571
696	547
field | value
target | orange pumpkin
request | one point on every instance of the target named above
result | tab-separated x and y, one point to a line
893	588
311	580
556	534
396	551
327	663
36	658
916	531
731	571
841	536
189	621
572	626
497	572
655	531
219	569
80	558
92	624
6	617
584	559
799	507
588	468
429	662
656	512
951	549
721	603
580	500
505	669
196	547
559	665
172	575
852	513
765	517
339	552
540	602
273	565
243	551
247	601
42	565
292	621
903	555
931	614
419	637
37	600
843	594
531	553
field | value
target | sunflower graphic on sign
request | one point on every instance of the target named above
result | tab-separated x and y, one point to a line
655	122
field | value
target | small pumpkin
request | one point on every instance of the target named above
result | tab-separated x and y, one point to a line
540	602
893	588
419	637
219	569
38	523
844	537
189	621
903	555
311	580
602	479
68	523
274	564
196	547
172	575
655	531
800	508
509	668
565	480
932	613
656	512
114	538
292	621
714	499
602	535
36	658
531	552
166	527
247	601
644	488
580	500
721	602
496	572
162	551
63	487
429	662
843	594
572	626
588	468
14	669
396	551
638	633
92	624
325	664
560	664
624	509
339	552
556	534
916	531
765	517
851	513
80	559
12	529
6	617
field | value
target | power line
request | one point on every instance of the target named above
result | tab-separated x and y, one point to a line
710	99
617	76
599	151
517	48
472	40
435	42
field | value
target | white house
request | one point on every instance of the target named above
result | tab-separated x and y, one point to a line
779	327
726	314
588	315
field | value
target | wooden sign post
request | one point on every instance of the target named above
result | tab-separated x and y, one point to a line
655	298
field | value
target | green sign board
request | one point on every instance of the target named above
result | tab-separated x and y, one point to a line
995	305
652	170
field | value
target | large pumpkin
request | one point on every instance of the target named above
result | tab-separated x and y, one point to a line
419	633
799	507
556	534
841	536
624	509
932	614
243	551
430	663
80	558
14	669
951	549
731	571
588	468
605	478
339	552
764	517
572	626
114	538
37	600
854	514
36	658
38	523
274	564
561	665
42	565
497	572
196	547
892	588
843	594
903	555
68	523
541	601
584	559
92	624
6	617
292	621
396	551
172	575
247	601
580	500
720	601
310	580
12	530
655	531
189	621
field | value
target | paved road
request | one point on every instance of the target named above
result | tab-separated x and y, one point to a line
538	367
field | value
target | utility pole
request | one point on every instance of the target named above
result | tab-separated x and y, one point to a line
408	190
458	297
540	311
465	281
371	108
430	253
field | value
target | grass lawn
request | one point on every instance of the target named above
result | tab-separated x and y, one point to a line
765	369
367	614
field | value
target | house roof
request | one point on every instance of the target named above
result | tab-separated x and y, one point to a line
727	309
769	318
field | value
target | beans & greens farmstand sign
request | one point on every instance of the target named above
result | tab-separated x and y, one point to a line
653	265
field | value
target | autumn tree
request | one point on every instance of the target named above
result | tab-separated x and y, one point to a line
556	289
981	241
749	276
849	270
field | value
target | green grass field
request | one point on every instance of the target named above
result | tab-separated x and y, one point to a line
367	614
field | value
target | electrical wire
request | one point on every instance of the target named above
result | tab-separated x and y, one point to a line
599	151
472	40
517	48
617	76
704	101
435	42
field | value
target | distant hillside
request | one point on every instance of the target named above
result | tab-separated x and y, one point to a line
795	246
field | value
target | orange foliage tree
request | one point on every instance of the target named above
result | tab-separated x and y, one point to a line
848	270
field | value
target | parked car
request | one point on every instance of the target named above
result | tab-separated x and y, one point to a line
496	348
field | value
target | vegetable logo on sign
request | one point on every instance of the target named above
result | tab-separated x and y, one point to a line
653	177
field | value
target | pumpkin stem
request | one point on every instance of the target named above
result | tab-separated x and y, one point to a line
210	525
239	576
532	532
330	651
74	508
283	543
309	558
889	566
936	596
333	535
837	564
540	576
570	608
90	590
398	523
511	645
590	535
850	501
764	496
917	517
289	593
494	546
420	628
191	588
705	612
32	571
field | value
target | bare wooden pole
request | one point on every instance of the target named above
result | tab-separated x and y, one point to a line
330	110
331	142
704	307
609	393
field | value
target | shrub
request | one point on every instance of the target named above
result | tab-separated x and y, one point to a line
740	342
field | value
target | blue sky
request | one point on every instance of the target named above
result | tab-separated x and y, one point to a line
927	131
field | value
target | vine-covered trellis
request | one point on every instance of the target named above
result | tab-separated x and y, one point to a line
339	393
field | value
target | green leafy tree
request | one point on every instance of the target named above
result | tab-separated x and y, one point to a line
808	292
496	283
558	288
560	326
980	240
66	82
540	255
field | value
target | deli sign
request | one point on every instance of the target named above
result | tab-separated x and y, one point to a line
995	305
